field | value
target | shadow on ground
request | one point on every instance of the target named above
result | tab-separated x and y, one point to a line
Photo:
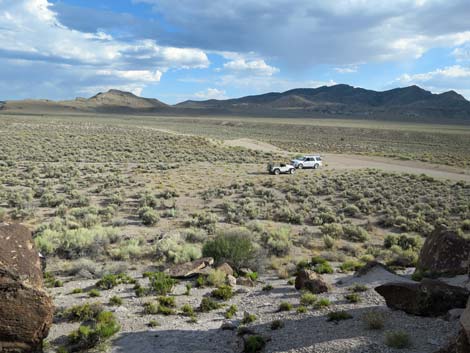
299	334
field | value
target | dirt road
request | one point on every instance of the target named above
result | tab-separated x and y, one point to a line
345	162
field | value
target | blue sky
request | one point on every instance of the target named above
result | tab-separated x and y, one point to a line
202	49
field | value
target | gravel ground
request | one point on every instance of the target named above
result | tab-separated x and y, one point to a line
306	332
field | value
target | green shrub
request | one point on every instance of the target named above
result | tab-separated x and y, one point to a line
115	301
208	304
224	292
150	308
322	303
323	268
167	301
149	217
285	306
308	298
398	339
357	288
216	278
339	315
276	325
329	242
94	293
374	320
104	326
248	318
187	310
353	297
351	265
355	233
254	344
231	311
153	323
301	309
164	310
267	288
110	280
161	283
279	241
234	247
83	312
334	230
76	291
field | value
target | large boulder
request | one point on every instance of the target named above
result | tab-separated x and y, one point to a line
26	309
311	281
190	269
444	253
428	298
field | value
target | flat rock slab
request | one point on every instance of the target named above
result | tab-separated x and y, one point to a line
428	298
189	269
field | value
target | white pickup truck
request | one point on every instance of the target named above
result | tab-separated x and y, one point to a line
307	162
280	168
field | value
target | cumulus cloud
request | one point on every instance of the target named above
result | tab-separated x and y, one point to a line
307	32
256	67
210	93
454	77
31	34
348	69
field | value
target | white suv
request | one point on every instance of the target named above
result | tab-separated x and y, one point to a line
307	162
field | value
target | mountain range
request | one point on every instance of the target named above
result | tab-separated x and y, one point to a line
340	101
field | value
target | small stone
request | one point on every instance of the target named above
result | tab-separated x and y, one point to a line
228	325
231	281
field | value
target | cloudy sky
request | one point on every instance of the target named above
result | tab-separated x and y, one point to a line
200	49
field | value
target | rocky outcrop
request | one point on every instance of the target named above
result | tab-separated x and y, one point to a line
444	253
428	298
190	269
26	310
225	268
461	343
311	281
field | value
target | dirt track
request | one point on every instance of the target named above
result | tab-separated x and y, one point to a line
344	161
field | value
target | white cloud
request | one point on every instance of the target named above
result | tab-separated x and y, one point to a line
30	31
348	69
454	77
263	84
134	75
210	93
301	33
256	67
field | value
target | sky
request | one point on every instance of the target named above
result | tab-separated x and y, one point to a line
175	50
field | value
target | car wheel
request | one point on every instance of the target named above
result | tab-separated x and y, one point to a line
300	166
292	171
277	171
315	166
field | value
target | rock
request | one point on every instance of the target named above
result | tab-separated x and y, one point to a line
307	279
244	271
83	273
465	321
459	344
454	314
231	281
245	281
26	309
225	268
444	253
189	269
428	298
228	325
372	266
